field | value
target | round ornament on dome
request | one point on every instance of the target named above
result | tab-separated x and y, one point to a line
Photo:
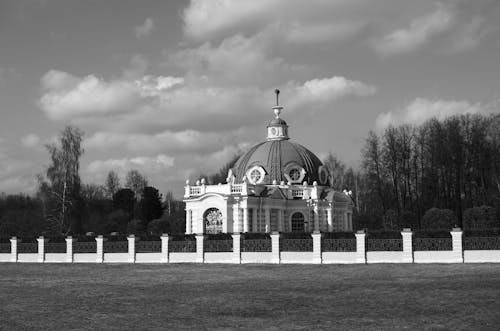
323	175
256	175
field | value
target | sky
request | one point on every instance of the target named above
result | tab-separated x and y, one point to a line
174	89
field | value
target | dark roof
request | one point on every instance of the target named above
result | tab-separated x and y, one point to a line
277	121
274	156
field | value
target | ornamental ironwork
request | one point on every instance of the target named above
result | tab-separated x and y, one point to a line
256	245
5	247
27	247
296	245
115	246
55	247
218	245
432	244
338	245
148	246
182	246
384	245
84	247
213	220
481	243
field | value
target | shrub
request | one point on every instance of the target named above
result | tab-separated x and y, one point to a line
339	235
218	236
407	219
182	237
431	234
383	235
480	218
158	226
255	235
482	233
296	235
85	238
390	220
134	227
118	237
436	218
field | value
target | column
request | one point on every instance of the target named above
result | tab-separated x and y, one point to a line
69	249
189	218
131	248
246	226
456	239
280	220
275	247
406	234
200	258
316	217
100	249
13	249
236	216
329	219
41	249
346	222
164	248
255	220
236	247
316	236
267	213
360	247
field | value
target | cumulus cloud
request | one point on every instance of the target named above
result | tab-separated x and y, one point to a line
145	28
31	141
421	110
418	33
300	33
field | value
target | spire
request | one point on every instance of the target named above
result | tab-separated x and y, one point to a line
277	129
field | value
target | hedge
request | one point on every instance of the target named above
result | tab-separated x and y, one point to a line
383	235
339	235
255	235
296	235
218	236
431	234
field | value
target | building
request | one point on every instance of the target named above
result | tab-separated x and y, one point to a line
277	185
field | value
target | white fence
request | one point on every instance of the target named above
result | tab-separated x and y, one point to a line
456	254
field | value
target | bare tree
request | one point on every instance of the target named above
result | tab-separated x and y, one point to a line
136	182
112	184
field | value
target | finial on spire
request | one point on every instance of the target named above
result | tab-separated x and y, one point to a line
277	109
277	97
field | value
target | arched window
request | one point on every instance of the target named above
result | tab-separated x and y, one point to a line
212	219
298	222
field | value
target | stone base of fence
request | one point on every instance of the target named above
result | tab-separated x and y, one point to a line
37	252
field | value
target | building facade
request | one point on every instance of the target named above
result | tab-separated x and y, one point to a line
277	185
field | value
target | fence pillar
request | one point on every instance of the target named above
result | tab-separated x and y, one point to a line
131	248
100	249
164	248
41	249
13	249
200	255
237	247
275	247
316	236
456	240
406	234
69	249
360	247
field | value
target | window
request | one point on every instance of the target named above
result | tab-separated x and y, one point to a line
294	173
298	222
255	175
212	219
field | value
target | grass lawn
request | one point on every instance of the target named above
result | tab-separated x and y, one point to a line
291	297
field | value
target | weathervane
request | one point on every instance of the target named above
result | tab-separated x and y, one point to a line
277	109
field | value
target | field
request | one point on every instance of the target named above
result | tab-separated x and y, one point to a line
294	297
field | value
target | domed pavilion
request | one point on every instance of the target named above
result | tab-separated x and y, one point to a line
277	185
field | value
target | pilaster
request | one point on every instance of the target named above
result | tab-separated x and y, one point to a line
164	248
13	249
267	213
407	234
100	249
456	239
316	236
41	249
131	248
200	256
275	247
69	249
360	247
236	247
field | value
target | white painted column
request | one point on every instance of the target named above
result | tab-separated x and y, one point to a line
267	213
360	247
316	217
237	247
316	236
236	216
280	220
100	249
200	256
189	218
69	249
41	249
406	234
246	225
329	219
346	222
131	248
456	239
255	221
13	249
164	248
275	247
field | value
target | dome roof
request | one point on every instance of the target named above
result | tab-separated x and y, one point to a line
276	157
277	121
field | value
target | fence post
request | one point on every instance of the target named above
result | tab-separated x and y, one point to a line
237	247
100	249
164	248
200	256
316	236
407	234
275	247
456	240
131	248
69	249
41	249
360	246
13	249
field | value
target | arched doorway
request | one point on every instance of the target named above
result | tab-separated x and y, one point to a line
212	220
298	222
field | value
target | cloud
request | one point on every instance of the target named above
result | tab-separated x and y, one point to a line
421	110
145	28
31	141
16	175
300	33
420	31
